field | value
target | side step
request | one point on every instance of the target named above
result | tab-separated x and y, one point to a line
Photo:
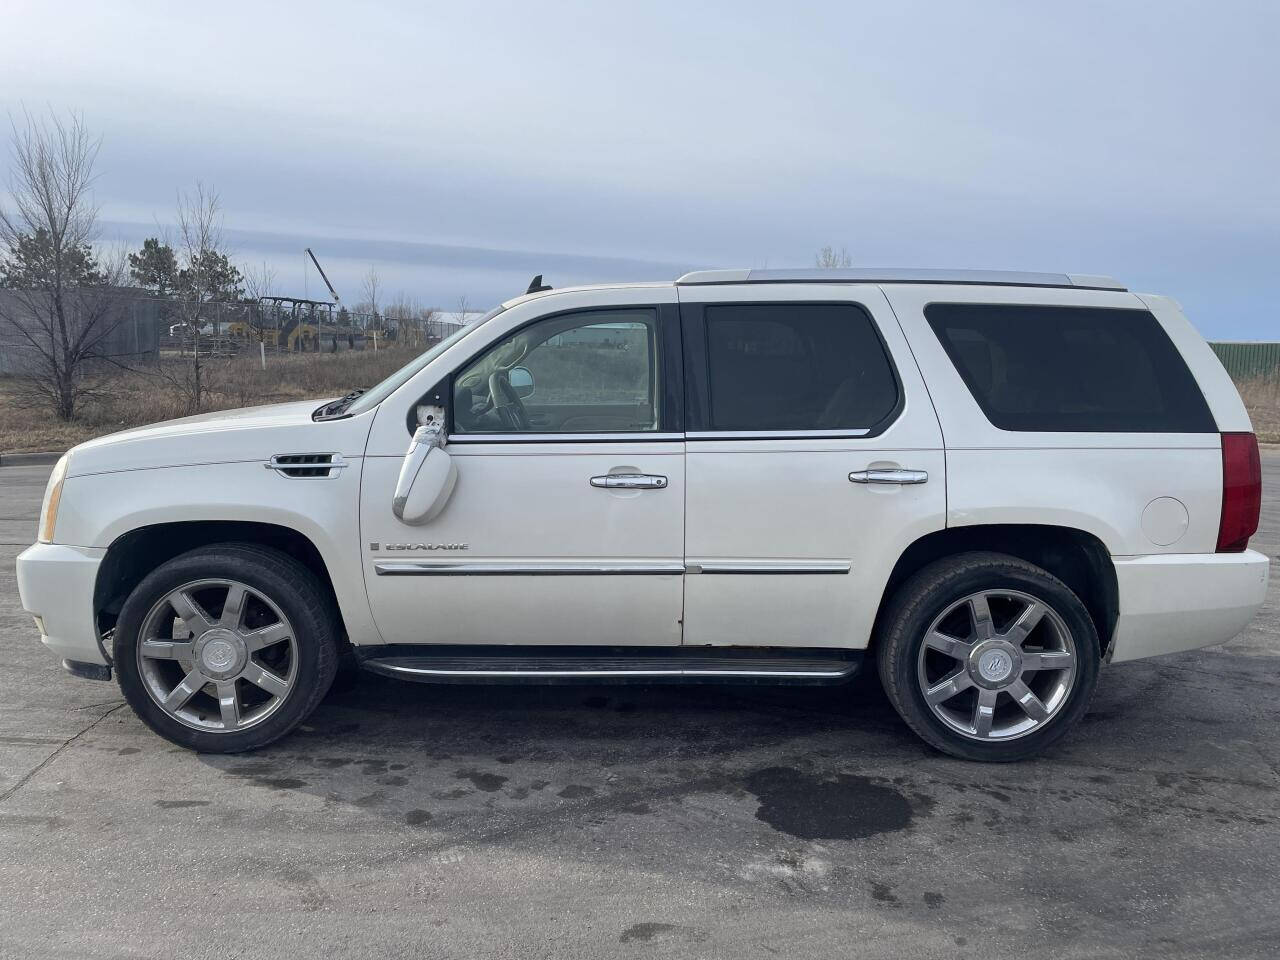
429	664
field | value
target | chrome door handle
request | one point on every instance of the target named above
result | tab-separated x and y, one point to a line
630	481
889	476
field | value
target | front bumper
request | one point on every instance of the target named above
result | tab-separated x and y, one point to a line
56	585
1180	601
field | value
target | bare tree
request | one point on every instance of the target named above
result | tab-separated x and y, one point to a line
57	312
371	287
202	265
259	282
464	308
829	258
404	311
428	325
112	262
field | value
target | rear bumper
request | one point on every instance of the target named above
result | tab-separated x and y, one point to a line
1181	601
56	585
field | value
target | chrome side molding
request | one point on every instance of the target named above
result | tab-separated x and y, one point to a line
776	434
422	568
808	567
638	436
426	568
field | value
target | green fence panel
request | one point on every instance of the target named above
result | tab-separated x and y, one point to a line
1245	361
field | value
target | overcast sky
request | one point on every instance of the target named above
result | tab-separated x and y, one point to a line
463	147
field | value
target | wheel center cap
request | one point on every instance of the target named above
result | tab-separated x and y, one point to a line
995	664
220	653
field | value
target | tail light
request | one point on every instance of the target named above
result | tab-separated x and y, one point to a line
1241	491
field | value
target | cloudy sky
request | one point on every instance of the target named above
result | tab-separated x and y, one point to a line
463	147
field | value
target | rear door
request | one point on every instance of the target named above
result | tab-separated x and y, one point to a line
1068	407
814	457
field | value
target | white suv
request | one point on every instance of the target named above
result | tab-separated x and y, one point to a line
992	483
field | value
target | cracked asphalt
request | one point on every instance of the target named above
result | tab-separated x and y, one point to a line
738	822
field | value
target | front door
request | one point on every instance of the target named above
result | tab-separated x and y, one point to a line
814	457
566	521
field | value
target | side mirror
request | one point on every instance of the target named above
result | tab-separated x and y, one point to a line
426	478
521	381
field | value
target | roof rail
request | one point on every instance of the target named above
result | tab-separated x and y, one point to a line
999	278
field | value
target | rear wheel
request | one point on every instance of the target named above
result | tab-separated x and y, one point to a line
226	648
988	657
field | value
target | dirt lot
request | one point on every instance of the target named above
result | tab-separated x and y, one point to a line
408	820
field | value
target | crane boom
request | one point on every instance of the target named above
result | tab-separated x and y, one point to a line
336	299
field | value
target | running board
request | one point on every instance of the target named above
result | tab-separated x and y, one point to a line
611	665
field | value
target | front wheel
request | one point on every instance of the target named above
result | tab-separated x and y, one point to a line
226	648
988	657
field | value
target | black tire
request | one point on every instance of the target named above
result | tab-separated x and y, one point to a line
347	675
930	592
290	585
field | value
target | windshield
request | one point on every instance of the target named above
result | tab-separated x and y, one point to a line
375	395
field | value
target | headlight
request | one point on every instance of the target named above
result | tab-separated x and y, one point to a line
52	496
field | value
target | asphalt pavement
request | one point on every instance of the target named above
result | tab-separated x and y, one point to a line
408	820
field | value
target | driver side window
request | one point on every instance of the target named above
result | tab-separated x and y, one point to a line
587	372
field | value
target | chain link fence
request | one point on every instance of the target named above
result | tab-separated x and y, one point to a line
136	328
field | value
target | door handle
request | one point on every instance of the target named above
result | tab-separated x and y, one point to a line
889	476
630	481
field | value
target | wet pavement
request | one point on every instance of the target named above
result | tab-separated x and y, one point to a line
717	821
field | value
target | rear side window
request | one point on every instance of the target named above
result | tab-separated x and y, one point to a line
796	366
1071	369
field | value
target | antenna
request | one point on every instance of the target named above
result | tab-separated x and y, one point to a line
536	285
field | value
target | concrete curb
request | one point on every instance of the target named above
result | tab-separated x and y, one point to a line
27	459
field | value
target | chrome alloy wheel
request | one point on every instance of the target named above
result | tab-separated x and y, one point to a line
217	655
997	665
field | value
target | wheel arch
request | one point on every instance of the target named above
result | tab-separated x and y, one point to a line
134	554
1076	557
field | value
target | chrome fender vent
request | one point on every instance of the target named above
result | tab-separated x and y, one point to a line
307	465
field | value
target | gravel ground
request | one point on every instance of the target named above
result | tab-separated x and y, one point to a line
415	821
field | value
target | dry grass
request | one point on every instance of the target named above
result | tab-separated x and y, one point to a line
136	398
142	397
1262	398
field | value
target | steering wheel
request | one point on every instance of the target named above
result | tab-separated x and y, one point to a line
506	403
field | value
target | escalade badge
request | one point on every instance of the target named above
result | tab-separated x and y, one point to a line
374	545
